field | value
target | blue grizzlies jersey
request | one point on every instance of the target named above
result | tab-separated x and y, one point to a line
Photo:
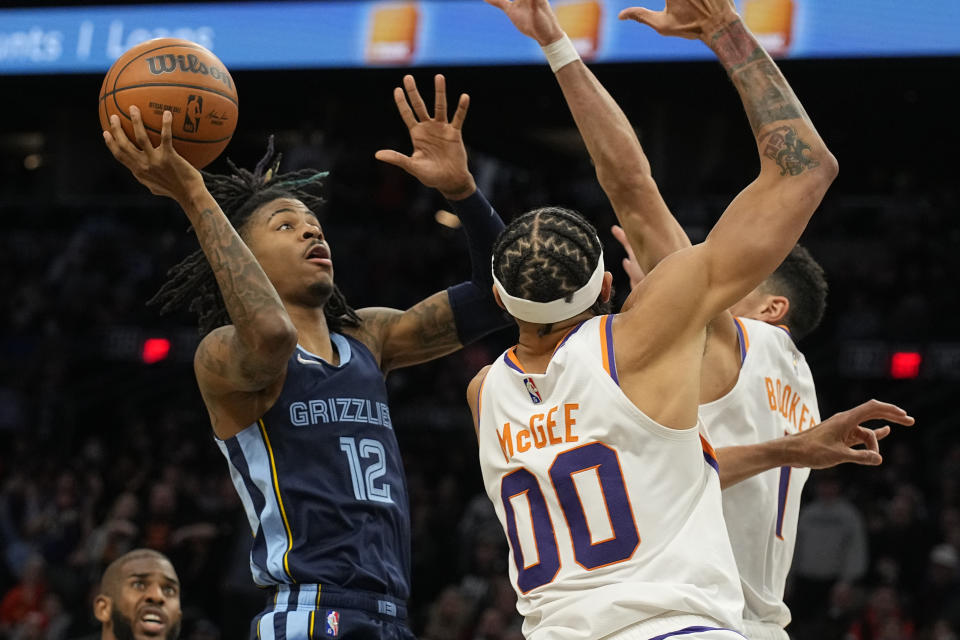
321	479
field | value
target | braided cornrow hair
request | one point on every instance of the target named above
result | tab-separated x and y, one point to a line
191	283
546	254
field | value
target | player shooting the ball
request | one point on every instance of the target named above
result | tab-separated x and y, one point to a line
293	378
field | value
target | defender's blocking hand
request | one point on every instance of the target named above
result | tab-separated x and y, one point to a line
439	159
692	19
630	265
534	18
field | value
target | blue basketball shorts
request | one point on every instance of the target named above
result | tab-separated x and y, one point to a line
309	612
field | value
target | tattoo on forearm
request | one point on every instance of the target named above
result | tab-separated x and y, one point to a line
783	146
766	95
245	287
734	46
430	332
438	329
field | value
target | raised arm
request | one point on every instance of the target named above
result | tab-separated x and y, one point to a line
447	320
250	354
766	219
621	165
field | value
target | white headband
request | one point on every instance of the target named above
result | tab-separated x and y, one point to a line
555	310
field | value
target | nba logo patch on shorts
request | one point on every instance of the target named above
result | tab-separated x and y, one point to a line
333	623
532	390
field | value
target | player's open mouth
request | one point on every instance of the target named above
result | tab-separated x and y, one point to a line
152	622
319	254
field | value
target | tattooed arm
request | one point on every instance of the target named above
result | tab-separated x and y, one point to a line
656	352
766	219
423	332
249	355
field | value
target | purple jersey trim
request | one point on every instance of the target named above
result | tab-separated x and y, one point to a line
689	630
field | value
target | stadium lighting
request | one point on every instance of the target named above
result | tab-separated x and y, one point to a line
905	364
155	350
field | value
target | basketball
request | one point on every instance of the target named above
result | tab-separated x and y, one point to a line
171	74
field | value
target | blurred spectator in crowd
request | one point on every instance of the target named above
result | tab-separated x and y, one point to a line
831	546
883	618
938	600
448	616
117	534
23	603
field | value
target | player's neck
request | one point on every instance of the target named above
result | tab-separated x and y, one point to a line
313	334
535	348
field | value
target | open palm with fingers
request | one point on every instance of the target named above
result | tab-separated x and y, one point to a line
532	18
439	159
690	19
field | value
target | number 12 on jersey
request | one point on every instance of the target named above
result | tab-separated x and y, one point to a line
364	482
621	539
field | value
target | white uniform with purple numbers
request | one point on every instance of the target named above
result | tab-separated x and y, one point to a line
614	522
774	396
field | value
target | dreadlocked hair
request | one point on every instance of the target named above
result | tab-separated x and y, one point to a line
546	254
192	285
801	280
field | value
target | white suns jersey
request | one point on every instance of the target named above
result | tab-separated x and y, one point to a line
611	518
774	396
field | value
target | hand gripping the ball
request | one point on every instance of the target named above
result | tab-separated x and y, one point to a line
161	169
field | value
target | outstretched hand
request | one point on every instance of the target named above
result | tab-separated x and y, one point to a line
532	18
630	265
832	442
692	19
161	169
439	159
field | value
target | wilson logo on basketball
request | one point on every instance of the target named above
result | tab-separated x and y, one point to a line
169	63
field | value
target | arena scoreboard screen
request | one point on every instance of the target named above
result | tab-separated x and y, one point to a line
270	35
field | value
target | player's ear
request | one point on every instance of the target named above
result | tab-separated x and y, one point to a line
606	289
774	309
102	608
496	297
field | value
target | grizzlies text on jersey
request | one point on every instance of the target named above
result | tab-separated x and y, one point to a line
321	479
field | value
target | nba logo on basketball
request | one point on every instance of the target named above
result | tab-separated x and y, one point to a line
532	390
191	119
333	623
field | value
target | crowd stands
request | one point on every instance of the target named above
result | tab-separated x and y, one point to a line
103	453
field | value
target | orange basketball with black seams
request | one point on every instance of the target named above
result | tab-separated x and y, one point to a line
171	74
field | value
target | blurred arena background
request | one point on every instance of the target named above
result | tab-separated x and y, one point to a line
104	442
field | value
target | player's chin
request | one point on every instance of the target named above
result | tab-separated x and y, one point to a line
323	279
155	632
321	288
166	631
